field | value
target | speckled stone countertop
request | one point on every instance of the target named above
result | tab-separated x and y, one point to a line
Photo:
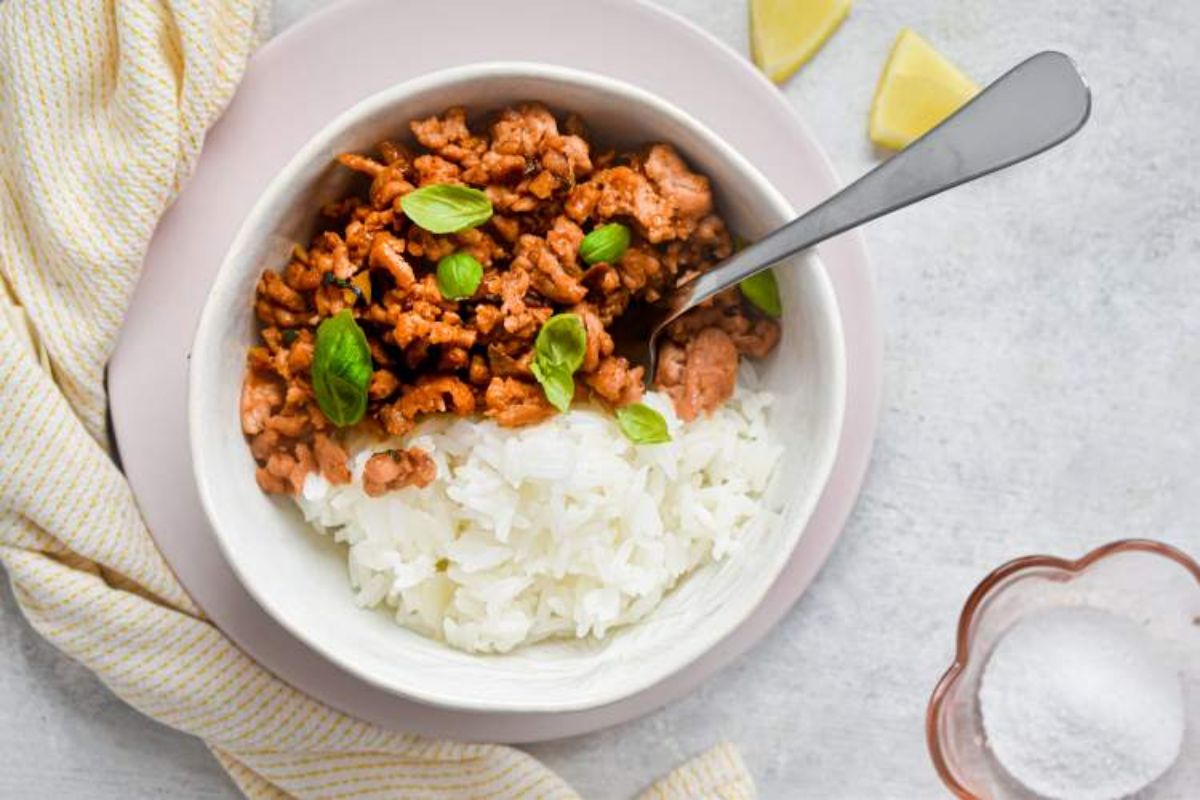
1042	377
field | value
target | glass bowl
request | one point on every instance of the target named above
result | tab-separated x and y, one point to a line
1151	583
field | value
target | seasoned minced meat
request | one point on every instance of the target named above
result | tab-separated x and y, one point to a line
701	375
548	186
396	469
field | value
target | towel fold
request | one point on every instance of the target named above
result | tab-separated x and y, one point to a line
105	107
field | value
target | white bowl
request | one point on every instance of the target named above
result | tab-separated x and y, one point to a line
299	577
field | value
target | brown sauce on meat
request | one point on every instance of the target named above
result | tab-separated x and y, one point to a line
548	185
700	375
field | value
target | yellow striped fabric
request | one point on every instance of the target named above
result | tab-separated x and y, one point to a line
103	108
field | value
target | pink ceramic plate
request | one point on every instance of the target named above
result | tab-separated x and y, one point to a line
293	87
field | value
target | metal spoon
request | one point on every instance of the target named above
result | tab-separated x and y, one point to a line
1036	105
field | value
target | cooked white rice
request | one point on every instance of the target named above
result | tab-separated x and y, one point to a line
563	528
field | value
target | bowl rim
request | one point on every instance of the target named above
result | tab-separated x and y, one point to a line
705	637
966	620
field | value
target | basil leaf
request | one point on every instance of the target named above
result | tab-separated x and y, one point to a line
557	352
606	243
557	384
341	369
641	424
458	275
447	207
562	341
762	291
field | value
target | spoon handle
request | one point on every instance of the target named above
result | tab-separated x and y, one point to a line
1036	105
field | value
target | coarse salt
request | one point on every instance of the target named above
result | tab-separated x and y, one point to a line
1082	703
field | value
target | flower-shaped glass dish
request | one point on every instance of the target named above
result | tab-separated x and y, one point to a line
1149	582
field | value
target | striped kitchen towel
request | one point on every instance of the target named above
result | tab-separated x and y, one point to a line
103	109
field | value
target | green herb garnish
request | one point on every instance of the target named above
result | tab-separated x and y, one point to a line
458	275
562	340
341	369
606	243
557	384
762	291
290	335
447	207
557	353
329	279
641	424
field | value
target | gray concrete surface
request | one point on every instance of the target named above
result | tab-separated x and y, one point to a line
1042	379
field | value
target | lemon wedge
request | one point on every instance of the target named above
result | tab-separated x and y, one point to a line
786	33
918	89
